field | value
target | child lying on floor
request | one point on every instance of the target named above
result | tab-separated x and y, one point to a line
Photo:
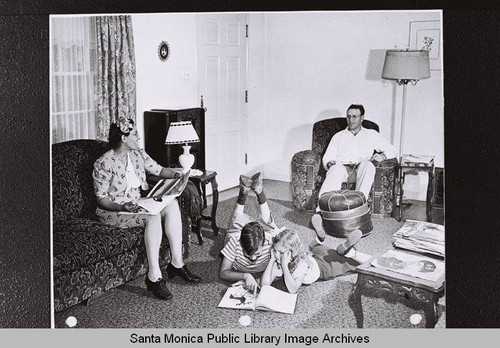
248	243
291	260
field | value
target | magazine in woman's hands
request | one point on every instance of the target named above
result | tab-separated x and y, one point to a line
164	192
268	299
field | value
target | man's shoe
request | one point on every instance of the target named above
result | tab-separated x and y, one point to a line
159	288
317	223
352	239
182	272
245	183
257	183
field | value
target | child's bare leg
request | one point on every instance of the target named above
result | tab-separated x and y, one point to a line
238	209
358	256
265	212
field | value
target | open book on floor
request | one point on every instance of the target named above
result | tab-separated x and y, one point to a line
162	194
268	299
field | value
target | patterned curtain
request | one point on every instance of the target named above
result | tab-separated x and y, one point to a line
115	72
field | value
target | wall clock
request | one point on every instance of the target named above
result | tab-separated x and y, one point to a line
163	51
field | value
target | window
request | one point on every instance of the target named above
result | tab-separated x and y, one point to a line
73	78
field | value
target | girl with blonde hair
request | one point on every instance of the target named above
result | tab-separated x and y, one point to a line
297	265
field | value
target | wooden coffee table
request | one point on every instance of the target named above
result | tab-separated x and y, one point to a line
414	292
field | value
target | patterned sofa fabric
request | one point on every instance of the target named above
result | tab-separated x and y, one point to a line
91	257
80	284
82	242
72	183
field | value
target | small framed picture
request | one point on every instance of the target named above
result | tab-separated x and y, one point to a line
426	35
163	51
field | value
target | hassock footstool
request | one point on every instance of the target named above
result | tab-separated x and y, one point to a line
344	211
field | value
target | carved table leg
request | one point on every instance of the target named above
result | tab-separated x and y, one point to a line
430	187
355	302
197	230
215	195
431	314
401	186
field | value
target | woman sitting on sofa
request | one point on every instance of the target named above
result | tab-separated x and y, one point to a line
118	175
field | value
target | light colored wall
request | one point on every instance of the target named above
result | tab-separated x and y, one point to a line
162	85
304	67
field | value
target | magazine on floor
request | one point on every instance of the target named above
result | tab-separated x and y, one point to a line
413	265
421	236
267	299
161	195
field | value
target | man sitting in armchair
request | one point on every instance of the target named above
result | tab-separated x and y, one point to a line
349	154
351	151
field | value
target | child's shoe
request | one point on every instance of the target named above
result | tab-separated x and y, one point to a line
257	183
352	239
317	223
245	184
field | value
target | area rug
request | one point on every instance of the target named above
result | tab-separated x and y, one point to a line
323	304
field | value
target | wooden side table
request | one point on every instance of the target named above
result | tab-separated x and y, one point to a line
392	286
413	169
201	181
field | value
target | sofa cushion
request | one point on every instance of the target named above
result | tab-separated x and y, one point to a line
81	242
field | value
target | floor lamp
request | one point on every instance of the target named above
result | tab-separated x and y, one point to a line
405	66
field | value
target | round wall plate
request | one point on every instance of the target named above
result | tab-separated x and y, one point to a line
163	51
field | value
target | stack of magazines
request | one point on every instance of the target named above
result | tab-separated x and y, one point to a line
421	236
417	160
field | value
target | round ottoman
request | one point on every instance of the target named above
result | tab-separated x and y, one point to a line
344	211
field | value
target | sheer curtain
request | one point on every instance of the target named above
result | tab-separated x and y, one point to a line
116	71
73	77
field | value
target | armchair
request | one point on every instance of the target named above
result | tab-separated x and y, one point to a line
308	173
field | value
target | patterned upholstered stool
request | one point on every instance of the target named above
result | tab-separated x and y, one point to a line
344	211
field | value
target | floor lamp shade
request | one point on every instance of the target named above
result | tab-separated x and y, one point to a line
183	133
404	67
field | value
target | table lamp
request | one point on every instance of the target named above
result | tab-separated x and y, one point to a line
183	133
405	66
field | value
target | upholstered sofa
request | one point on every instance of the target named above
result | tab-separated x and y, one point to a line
90	257
308	173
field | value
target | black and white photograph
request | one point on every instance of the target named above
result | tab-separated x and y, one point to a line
243	173
302	141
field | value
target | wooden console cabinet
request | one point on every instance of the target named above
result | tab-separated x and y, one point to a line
156	124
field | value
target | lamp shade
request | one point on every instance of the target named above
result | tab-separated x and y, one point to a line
406	65
181	133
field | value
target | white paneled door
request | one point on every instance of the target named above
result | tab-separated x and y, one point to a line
222	81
